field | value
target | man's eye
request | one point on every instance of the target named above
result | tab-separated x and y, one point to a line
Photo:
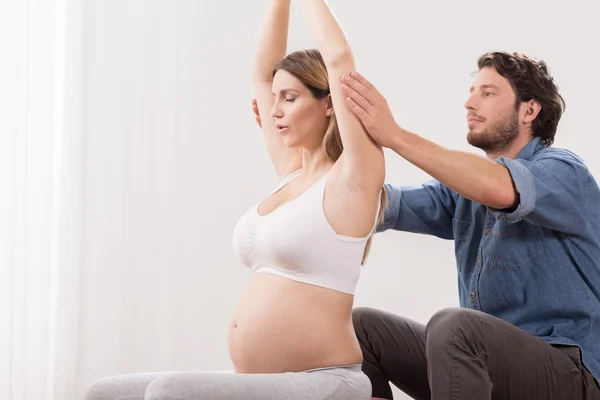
290	100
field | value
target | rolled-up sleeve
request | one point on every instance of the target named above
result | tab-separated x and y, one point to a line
553	192
426	209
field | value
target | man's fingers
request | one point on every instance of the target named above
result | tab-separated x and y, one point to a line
358	87
358	110
358	98
362	80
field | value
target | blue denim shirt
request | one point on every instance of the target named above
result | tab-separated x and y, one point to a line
537	266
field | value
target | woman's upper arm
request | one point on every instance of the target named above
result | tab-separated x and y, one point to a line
284	159
363	159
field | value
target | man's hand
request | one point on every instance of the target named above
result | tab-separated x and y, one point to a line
255	110
371	107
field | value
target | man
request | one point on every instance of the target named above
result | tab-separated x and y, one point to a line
526	225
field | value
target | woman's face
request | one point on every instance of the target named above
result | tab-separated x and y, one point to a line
300	118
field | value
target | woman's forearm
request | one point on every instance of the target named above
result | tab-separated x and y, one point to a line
272	44
327	33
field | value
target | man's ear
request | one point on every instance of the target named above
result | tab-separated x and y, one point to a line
532	110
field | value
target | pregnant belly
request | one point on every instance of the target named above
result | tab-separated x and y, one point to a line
286	326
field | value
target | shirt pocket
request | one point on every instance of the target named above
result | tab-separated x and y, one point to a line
462	233
515	246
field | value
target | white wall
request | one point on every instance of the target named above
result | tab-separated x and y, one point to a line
174	158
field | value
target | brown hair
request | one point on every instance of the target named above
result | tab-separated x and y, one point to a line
309	67
530	79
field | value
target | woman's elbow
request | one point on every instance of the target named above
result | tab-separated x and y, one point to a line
261	77
340	59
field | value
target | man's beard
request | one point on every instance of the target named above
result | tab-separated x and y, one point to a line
498	137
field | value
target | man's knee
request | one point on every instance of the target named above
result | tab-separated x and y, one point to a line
448	325
363	318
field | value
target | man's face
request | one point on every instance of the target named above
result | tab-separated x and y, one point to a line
492	116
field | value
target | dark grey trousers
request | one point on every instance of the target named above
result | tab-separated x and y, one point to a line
466	354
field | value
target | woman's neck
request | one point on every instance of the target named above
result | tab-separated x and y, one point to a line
315	163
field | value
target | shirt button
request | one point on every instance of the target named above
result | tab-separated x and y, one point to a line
487	231
473	295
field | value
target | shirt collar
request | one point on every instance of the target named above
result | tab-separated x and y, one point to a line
532	147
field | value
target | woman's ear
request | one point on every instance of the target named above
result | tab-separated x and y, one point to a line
329	106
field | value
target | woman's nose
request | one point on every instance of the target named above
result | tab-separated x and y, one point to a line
276	112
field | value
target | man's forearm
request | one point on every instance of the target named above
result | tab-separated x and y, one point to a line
475	177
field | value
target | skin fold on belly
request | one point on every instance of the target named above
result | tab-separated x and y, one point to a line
286	326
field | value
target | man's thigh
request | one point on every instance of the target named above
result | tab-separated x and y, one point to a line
514	364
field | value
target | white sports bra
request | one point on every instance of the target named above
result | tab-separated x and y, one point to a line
295	241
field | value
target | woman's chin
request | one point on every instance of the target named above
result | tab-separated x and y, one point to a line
290	142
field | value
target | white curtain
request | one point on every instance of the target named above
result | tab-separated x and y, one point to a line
40	196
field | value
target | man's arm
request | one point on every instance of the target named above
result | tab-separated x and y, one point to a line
556	192
427	209
475	177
